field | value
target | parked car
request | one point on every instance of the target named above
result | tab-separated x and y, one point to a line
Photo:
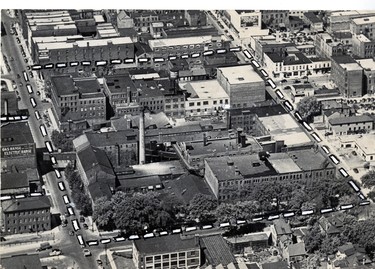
44	246
356	170
82	219
284	81
85	226
86	252
55	252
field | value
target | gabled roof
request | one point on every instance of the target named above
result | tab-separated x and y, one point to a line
14	181
26	204
282	227
217	250
91	157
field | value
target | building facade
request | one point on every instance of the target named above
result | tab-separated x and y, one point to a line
242	84
26	215
350	125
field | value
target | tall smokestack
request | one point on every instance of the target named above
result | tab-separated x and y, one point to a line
141	139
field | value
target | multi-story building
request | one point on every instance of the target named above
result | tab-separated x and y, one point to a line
291	63
363	26
185	45
228	175
174	104
316	24
242	84
150	95
363	47
326	46
368	66
341	20
121	147
26	215
17	147
14	183
351	125
347	75
204	98
174	251
75	99
264	44
275	18
245	22
120	91
143	19
195	17
86	53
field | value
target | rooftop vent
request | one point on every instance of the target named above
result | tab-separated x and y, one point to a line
241	79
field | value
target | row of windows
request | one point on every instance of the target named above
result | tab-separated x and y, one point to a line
174	106
31	212
25	220
175	100
205	103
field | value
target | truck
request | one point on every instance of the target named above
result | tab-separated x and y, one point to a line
44	246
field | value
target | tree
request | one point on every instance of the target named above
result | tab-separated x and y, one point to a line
371	195
61	141
69	170
330	244
309	106
368	179
202	207
313	238
103	212
225	212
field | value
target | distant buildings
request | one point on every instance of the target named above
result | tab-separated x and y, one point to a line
26	215
363	26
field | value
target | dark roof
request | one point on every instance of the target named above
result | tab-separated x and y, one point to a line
87	85
351	119
112	138
348	249
275	57
191	31
139	182
99	189
252	266
119	83
141	48
341	35
343	59
11	98
261	111
282	227
23	261
11	138
166	244
312	17
309	159
14	181
129	32
275	265
296	58
148	88
297	249
91	157
63	85
217	250
26	204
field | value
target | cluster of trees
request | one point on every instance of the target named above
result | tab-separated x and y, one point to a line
79	196
61	141
357	232
308	107
368	181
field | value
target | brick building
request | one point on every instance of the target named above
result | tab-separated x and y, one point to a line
26	215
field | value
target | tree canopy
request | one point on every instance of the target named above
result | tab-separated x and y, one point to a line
61	141
308	106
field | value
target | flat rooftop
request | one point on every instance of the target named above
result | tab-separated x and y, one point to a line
366	143
206	89
284	127
309	159
119	83
52	39
282	163
351	119
363	38
240	74
253	237
85	43
165	244
365	20
213	147
351	66
224	168
367	63
179	41
158	169
11	138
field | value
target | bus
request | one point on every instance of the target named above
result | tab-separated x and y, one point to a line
298	116
195	55
53	160
307	212
70	210
316	137
75	225
57	173
32	101
247	54
49	146
66	199
92	243
80	240
279	94
334	159
37	115
264	73
25	76
105	240
43	130
158	60
272	84
288	105
134	237
255	63
148	235
288	214
29	88
189	229
343	172
224	225
354	186
61	186
307	126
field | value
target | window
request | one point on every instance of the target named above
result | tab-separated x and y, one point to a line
205	102
191	104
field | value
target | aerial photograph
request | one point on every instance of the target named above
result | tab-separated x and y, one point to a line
187	138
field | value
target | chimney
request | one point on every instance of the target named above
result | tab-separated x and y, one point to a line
204	139
237	171
239	132
243	140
